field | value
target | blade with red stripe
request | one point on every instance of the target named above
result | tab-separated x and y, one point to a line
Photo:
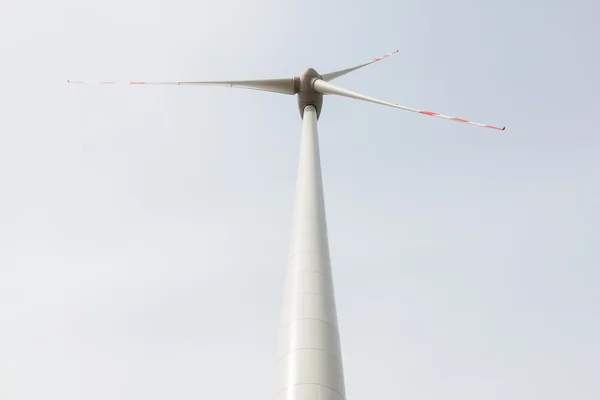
278	85
336	74
327	88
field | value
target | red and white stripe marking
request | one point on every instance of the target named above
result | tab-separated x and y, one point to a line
384	56
466	121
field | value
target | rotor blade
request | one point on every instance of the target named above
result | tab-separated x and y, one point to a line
280	85
327	88
336	74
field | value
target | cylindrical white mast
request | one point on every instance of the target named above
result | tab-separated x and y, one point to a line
309	359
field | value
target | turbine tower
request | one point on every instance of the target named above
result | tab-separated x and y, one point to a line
309	358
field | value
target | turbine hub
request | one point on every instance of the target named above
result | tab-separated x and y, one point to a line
307	95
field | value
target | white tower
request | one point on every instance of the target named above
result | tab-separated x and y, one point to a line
309	359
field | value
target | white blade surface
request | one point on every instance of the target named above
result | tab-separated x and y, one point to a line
280	85
336	74
327	88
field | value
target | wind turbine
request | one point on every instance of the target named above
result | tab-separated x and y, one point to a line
309	358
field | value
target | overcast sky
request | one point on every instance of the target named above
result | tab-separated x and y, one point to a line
144	230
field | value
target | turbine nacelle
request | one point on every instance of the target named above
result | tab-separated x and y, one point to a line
307	95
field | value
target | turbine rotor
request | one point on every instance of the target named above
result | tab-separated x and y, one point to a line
310	87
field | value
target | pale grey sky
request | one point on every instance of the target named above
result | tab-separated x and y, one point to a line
136	222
